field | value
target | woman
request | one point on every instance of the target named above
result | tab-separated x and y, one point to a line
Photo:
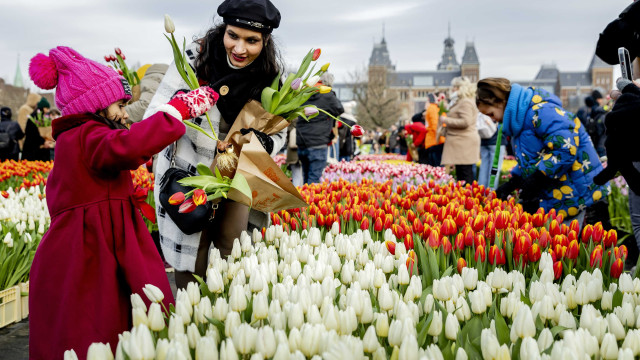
432	145
463	142
556	159
238	58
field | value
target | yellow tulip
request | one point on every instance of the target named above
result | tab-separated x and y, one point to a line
325	67
325	89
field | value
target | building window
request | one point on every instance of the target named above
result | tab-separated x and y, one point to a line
423	80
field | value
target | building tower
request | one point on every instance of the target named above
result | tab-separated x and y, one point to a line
470	66
17	80
449	61
380	62
601	74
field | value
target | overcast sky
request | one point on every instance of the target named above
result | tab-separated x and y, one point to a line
512	37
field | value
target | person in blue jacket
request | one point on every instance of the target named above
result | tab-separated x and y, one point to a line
556	158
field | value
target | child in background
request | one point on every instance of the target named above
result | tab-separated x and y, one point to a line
98	250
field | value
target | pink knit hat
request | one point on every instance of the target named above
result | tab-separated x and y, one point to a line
83	85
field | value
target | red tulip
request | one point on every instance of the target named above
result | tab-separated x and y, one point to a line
587	231
411	216
294	224
388	221
478	223
418	227
199	197
446	245
411	261
118	51
449	227
408	241
534	253
557	269
391	247
357	131
378	225
502	220
187	206
611	239
496	256
573	235
573	250
177	198
554	228
364	225
622	252
480	254
596	257
120	72
575	226
598	233
316	54
4	194
123	57
107	58
462	263
434	239
468	236
544	238
537	219
321	220
459	242
616	268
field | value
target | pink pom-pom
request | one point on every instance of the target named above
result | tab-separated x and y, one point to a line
43	72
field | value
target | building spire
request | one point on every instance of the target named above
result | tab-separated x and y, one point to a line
383	40
17	80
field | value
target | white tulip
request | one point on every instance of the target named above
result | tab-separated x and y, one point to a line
184	310
312	81
523	324
615	326
435	328
153	293
231	324
382	325
529	349
546	309
70	355
379	354
282	351
606	301
169	27
609	347
193	335
237	298
194	293
295	316
370	340
409	348
463	313
206	349
461	354
99	351
176	326
140	344
428	303
244	338
156	319
266	342
385	300
214	281
394	336
488	344
478	305
545	340
451	327
228	351
632	341
139	317
137	302
403	274
311	336
162	347
625	283
295	339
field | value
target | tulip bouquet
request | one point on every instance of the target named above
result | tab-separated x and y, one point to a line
40	119
117	62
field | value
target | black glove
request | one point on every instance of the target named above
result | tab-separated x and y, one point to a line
534	184
504	190
622	129
265	140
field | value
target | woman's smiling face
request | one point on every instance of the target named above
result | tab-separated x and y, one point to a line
243	46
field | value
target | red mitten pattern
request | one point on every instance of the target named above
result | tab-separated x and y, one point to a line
195	102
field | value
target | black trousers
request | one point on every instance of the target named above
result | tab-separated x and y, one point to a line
464	173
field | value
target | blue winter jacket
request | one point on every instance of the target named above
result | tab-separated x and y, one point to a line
545	137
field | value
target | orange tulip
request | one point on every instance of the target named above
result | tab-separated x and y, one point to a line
596	257
611	239
364	225
554	228
199	197
462	263
557	269
408	241
573	250
480	254
187	206
446	245
586	233
391	247
448	227
598	233
378	225
534	253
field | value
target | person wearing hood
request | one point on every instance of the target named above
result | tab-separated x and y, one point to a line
26	110
556	159
347	145
313	136
10	133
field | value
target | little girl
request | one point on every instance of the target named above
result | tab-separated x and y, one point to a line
98	250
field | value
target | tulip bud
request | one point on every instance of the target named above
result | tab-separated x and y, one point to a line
325	67
395	333
70	355
325	89
187	206
451	327
370	340
357	131
169	27
99	351
310	111
260	307
156	320
295	84
206	348
382	325
266	342
316	54
609	347
435	328
214	281
409	348
312	81
153	293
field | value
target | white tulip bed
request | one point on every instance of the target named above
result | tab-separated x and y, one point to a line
294	296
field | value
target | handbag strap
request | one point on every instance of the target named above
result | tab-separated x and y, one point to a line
173	153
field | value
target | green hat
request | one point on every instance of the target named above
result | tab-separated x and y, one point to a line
43	103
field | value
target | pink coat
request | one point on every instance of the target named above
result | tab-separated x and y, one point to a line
98	250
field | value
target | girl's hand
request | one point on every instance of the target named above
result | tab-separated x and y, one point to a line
195	102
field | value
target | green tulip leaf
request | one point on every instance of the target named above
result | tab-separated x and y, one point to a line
204	169
502	330
617	299
240	183
199	181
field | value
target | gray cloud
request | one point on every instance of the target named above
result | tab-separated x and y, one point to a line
512	37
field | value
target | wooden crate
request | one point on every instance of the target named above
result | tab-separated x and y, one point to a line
10	307
24	299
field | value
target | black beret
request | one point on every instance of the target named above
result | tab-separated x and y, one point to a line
256	15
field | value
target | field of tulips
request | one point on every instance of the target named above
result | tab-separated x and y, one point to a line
371	270
380	171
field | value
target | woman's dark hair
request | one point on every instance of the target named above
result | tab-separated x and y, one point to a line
267	64
493	91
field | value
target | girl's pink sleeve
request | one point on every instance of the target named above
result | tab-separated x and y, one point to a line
105	149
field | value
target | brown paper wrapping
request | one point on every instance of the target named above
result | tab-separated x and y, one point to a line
45	132
272	190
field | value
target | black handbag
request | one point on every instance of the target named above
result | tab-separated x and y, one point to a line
189	223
